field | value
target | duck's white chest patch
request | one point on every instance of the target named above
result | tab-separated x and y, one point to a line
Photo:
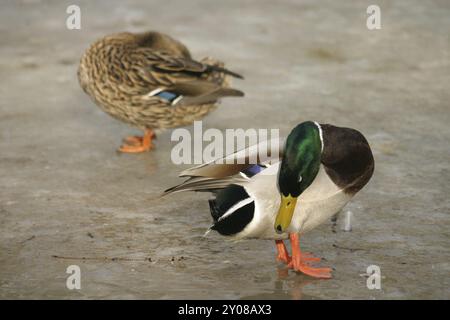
315	205
318	203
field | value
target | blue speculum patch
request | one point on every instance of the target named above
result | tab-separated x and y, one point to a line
251	171
169	96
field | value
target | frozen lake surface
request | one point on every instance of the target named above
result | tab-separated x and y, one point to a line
65	194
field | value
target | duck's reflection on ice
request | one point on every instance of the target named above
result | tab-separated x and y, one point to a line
292	284
288	285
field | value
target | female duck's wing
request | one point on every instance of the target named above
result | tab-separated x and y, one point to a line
172	55
179	80
165	62
236	168
200	92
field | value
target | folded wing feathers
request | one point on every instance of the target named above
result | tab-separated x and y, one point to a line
236	162
209	97
166	62
204	184
226	71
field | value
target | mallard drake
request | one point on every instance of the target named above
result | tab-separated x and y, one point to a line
321	168
150	81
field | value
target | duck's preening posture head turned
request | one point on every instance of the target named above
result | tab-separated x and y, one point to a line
299	167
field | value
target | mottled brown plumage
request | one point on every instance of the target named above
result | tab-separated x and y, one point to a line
150	81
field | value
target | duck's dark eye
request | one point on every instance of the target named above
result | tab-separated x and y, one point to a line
288	204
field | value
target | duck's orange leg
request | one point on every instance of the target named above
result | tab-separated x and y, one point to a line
136	144
300	262
283	254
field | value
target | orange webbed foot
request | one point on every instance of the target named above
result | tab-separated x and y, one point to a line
322	273
309	257
134	149
302	261
133	140
136	144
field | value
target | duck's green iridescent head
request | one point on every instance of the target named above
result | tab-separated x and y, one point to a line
298	169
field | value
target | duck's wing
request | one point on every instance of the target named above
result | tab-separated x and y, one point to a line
165	62
236	168
200	92
177	79
264	152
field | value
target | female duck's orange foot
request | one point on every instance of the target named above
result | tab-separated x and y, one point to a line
136	144
134	149
283	254
133	140
322	273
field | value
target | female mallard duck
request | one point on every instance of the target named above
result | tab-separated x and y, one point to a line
322	167
149	80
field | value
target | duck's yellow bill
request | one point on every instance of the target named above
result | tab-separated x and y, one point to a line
285	213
